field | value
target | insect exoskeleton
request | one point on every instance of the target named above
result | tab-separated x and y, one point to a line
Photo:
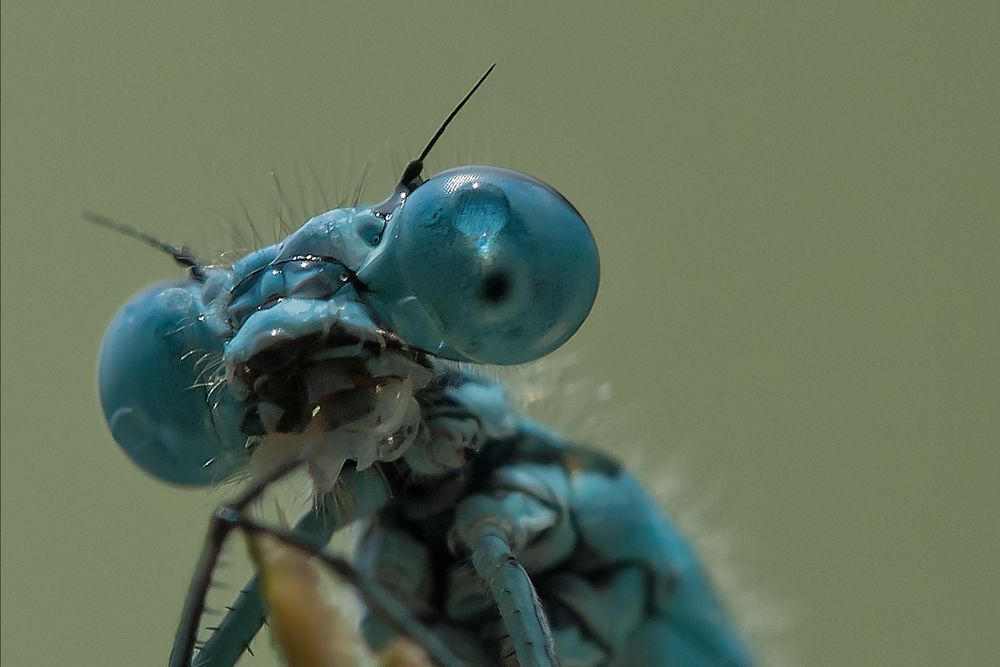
349	347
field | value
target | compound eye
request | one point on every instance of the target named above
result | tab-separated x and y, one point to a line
504	267
153	379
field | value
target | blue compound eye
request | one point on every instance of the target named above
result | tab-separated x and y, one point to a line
153	381
486	265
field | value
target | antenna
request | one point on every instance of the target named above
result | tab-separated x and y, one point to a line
181	255
410	180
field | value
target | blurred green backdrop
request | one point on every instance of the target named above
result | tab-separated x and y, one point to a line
797	210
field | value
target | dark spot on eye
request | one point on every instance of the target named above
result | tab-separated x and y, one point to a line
496	287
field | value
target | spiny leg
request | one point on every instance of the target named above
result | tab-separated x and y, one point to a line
194	602
494	528
517	600
372	595
359	494
232	636
405	567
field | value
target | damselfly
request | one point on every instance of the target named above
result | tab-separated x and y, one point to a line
350	348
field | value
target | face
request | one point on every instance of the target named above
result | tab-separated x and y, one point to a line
319	345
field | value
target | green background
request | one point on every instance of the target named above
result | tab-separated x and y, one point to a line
797	210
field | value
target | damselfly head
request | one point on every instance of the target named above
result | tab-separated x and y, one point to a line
319	345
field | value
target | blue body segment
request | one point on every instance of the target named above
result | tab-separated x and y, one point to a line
338	348
618	583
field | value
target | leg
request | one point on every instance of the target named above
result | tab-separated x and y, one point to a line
517	601
499	528
374	597
194	602
230	638
403	566
362	494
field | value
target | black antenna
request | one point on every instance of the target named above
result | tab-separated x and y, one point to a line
182	255
410	180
